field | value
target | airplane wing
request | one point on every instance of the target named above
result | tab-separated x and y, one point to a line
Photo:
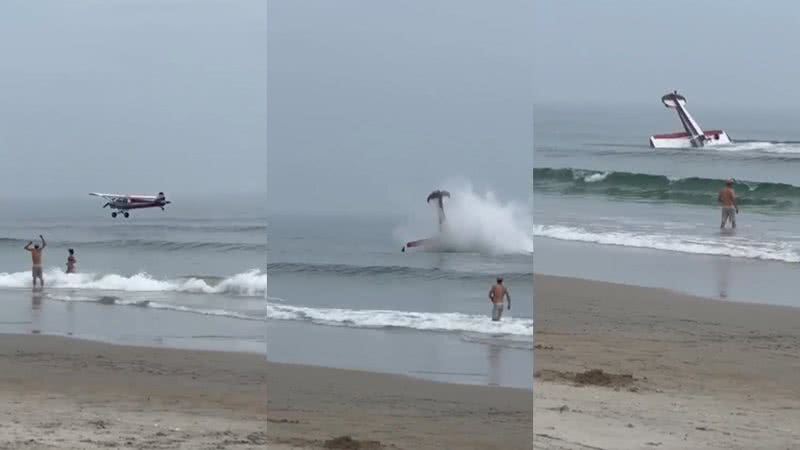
106	196
121	196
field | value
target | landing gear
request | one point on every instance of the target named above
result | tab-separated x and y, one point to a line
126	214
113	214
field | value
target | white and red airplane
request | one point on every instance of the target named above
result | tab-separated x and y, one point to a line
124	203
692	135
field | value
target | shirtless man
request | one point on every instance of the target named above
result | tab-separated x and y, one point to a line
71	261
727	198
36	255
496	294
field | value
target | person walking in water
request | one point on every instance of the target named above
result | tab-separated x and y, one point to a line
71	261
496	294
727	198
36	256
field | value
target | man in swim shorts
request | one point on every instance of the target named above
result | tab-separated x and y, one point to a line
727	198
496	294
36	255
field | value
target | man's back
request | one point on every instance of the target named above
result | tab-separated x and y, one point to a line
36	256
498	291
727	197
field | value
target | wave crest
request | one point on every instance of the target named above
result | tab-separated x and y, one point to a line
426	321
251	283
642	186
674	243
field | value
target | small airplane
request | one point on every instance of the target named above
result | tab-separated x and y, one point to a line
692	135
119	202
439	197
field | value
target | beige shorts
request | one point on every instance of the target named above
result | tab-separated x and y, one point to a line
729	214
497	311
37	272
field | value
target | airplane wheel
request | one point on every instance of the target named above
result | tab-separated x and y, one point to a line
113	214
126	215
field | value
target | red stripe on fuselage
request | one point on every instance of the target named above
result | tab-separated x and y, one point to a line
419	242
137	205
683	134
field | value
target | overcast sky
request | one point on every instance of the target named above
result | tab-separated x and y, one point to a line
742	53
132	96
373	104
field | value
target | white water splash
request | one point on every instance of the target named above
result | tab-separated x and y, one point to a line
475	223
251	283
758	147
736	248
427	321
596	177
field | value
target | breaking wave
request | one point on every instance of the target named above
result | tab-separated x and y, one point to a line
425	321
112	300
252	283
736	248
647	187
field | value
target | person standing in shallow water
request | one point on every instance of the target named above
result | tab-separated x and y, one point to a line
36	256
71	261
730	208
496	294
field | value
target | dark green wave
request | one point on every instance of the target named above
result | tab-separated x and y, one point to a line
648	187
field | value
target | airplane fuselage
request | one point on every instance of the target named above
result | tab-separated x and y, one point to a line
126	204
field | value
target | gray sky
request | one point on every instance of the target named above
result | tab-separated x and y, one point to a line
132	96
373	104
742	54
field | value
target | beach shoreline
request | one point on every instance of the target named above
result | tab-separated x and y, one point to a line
66	392
431	355
627	367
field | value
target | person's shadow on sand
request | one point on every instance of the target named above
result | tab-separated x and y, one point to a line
36	307
493	354
722	267
36	298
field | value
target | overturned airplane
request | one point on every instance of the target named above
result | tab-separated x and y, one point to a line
439	196
693	136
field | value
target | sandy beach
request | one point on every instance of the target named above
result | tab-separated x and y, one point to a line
308	405
623	367
61	393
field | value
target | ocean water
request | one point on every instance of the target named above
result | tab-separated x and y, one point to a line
602	194
199	264
343	294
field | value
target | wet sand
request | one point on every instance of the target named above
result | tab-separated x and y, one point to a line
59	393
306	405
623	367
